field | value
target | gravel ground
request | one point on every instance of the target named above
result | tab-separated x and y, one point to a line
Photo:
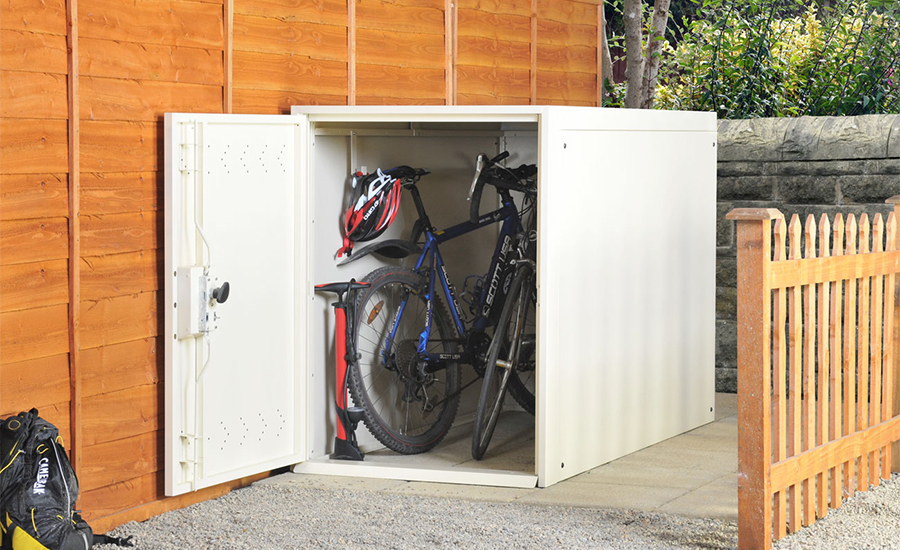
267	516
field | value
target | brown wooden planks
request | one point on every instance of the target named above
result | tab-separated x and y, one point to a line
28	196
262	71
118	367
161	63
254	33
809	380
278	101
29	51
495	82
890	343
375	14
142	100
400	82
567	11
120	274
849	405
496	7
47	17
136	412
108	500
478	99
574	59
494	26
875	348
484	52
121	460
171	22
34	333
38	284
332	12
387	47
795	400
120	146
34	383
29	94
382	100
33	240
817	270
836	402
779	381
823	311
561	34
121	319
33	146
118	193
831	454
862	361
569	88
118	233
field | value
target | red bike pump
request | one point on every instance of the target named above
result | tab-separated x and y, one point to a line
345	445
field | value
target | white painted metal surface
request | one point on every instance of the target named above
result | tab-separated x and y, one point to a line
234	391
627	283
626	273
462	476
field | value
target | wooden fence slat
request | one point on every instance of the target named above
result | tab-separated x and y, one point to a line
115	146
890	320
254	33
795	414
809	373
754	241
400	82
34	383
29	51
34	146
25	94
575	59
561	34
278	102
119	233
875	349
779	374
34	333
818	270
120	460
169	22
568	87
118	367
137	412
834	404
115	275
374	14
47	17
296	73
494	26
120	193
856	444
39	284
485	52
162	63
850	290
121	319
862	362
495	82
824	362
426	51
144	100
29	196
27	241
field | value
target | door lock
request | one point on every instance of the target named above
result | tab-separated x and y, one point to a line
220	295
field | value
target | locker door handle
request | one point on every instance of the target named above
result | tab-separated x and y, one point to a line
220	295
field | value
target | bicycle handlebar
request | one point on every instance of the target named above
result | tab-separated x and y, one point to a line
501	178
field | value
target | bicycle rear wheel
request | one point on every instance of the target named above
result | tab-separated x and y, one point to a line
502	358
407	412
522	381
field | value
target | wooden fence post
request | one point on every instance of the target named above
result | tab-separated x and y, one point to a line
894	385
754	254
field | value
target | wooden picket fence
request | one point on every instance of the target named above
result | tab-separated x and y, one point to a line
817	377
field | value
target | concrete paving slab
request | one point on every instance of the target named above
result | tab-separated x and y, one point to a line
619	473
717	499
603	495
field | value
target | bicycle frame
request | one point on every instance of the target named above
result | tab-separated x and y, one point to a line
509	215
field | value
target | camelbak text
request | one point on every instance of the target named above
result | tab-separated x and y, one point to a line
42	476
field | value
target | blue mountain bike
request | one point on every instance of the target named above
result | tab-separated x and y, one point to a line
411	332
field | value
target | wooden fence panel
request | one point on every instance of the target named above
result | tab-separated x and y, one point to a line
823	422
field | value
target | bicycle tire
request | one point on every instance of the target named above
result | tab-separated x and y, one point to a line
523	379
495	383
396	405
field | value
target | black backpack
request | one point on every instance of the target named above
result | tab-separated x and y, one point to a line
38	490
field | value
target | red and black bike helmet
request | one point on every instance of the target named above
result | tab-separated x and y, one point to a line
374	204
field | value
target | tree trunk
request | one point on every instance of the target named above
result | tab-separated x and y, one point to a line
606	65
654	49
634	71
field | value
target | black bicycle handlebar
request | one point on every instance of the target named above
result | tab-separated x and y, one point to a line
501	178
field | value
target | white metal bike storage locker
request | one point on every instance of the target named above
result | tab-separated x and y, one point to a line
626	277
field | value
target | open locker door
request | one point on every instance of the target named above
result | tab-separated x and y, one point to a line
235	307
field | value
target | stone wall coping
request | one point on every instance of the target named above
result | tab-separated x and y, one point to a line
809	138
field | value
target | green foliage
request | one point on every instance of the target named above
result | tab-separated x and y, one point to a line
765	58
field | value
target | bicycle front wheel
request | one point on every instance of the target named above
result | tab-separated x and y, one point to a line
502	357
406	410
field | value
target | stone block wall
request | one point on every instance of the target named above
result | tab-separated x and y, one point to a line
806	165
